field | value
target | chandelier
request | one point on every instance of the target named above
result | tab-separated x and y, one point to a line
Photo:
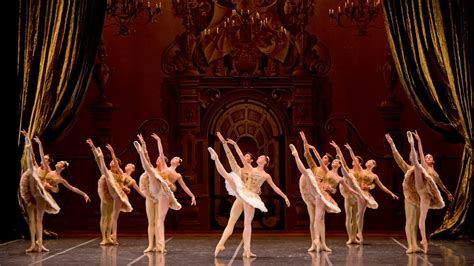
124	13
359	13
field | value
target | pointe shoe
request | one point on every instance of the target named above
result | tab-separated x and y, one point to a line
325	248
218	250
213	153
42	248
149	249
424	246
33	248
410	251
312	248
352	241
248	254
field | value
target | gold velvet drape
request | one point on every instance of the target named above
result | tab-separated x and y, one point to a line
57	45
431	42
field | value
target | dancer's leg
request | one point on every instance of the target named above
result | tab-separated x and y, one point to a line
105	223
324	247
249	212
115	215
235	212
163	206
31	211
409	214
40	209
318	223
311	212
150	215
424	205
361	207
220	168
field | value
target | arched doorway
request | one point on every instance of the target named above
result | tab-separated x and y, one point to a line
256	127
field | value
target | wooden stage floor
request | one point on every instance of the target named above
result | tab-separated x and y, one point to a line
198	249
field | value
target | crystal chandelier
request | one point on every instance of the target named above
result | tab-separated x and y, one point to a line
124	13
358	13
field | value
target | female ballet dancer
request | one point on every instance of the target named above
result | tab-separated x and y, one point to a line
412	207
248	192
429	196
53	178
427	161
366	179
237	206
113	199
159	191
35	198
318	189
305	186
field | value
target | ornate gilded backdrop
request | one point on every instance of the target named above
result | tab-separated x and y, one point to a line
250	70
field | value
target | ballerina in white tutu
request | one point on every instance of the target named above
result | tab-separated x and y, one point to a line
248	192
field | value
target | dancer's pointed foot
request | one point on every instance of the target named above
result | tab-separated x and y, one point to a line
418	249
424	246
32	248
353	241
360	238
325	248
213	153
248	254
410	251
294	152
218	250
312	248
42	248
149	249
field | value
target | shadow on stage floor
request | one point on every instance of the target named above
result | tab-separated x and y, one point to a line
198	249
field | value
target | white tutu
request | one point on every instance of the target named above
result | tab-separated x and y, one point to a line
245	195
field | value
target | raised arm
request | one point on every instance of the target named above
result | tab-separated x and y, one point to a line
230	156
356	166
307	154
316	153
187	190
161	155
239	152
114	158
339	154
277	189
404	166
73	188
43	161
386	190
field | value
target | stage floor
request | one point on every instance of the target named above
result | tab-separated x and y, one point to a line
277	249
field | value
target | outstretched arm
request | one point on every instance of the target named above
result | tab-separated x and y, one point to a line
114	158
43	161
307	154
404	166
161	155
316	153
386	190
339	154
277	190
187	190
74	189
230	156
239	152
357	167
